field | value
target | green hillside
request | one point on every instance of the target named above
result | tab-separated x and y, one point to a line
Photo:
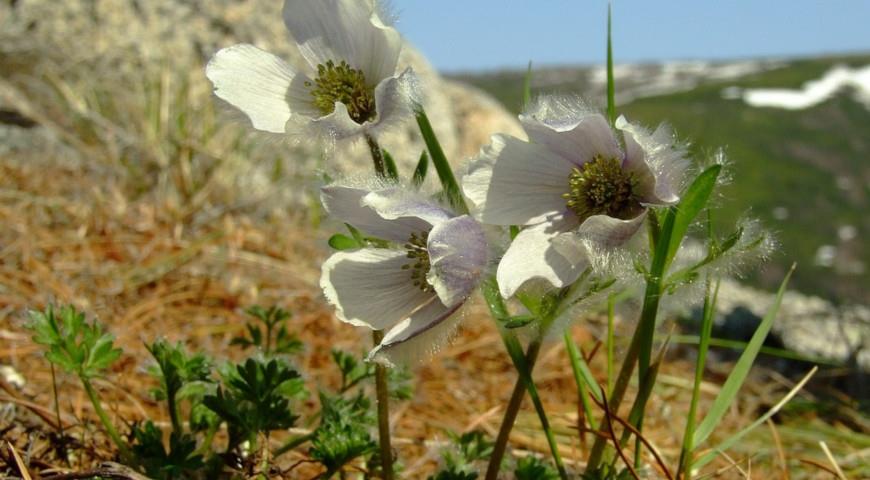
813	164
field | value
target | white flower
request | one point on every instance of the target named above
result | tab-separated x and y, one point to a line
572	186
412	289
348	87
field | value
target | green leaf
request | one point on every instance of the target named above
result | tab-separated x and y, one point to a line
342	242
518	321
439	160
740	370
679	217
421	170
533	468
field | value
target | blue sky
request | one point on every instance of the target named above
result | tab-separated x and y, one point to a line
488	34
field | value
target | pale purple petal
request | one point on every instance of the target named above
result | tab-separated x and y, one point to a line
368	287
532	255
419	335
457	255
571	131
348	30
254	81
608	231
513	182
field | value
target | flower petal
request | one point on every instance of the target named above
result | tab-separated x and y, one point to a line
657	160
394	99
349	30
532	255
457	256
254	81
389	214
421	334
570	130
608	231
368	287
513	182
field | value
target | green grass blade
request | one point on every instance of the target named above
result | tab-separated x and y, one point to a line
611	87
685	462
527	87
390	165
730	441
583	379
439	160
740	371
421	170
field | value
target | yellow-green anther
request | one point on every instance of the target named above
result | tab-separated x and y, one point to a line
602	187
419	255
341	83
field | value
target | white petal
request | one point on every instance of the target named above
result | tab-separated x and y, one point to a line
657	160
394	99
389	214
420	335
576	136
368	287
348	30
254	81
338	124
608	231
532	255
516	183
457	255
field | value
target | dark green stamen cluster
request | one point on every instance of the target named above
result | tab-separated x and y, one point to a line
419	256
341	83
602	187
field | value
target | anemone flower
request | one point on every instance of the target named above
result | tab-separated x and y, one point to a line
348	86
572	186
430	263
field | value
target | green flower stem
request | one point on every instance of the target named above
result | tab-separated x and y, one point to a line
126	454
498	310
173	411
383	396
510	416
377	156
439	160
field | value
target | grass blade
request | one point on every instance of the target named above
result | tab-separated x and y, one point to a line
741	370
611	87
730	441
439	160
682	215
390	165
527	87
583	379
421	170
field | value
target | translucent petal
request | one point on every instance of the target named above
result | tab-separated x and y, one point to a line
532	255
368	287
576	135
421	334
254	81
608	231
348	30
457	255
658	160
513	182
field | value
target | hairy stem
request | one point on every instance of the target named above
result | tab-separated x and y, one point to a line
510	416
383	396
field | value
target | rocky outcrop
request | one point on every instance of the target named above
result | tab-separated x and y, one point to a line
809	325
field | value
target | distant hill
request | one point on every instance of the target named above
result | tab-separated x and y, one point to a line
804	172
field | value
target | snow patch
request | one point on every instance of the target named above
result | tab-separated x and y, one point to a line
813	92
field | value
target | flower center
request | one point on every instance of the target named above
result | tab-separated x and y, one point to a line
602	187
341	83
419	255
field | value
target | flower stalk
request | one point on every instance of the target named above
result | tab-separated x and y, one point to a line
383	397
